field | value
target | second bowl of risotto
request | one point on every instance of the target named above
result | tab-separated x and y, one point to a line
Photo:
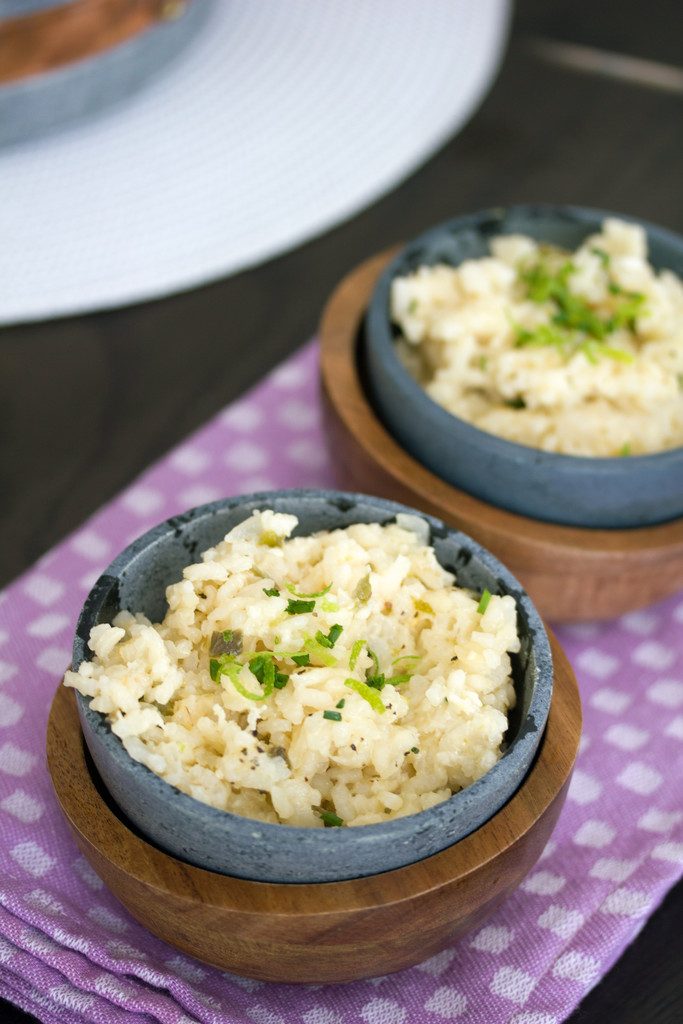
309	686
534	357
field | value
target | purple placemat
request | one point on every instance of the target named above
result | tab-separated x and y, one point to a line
70	953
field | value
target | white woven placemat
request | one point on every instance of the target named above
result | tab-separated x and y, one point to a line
283	118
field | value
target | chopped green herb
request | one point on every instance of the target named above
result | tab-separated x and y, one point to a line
625	449
228	641
330	819
484	601
301	659
318	593
603	256
355	653
620	355
413	306
262	667
483	362
375	663
516	403
403	677
281	680
215	669
270	539
226	664
332	716
320	654
415	750
406	657
329	639
271	592
295	607
377	682
367	693
363	591
422	606
340	703
329	606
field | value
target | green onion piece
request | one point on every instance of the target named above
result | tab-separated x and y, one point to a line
620	355
625	449
340	703
215	669
329	606
299	607
301	659
263	668
270	539
330	819
375	663
406	657
412	306
281	680
484	601
367	693
377	682
603	256
483	362
271	592
332	716
422	606
415	750
403	677
228	666
318	593
329	639
363	591
516	403
319	653
355	653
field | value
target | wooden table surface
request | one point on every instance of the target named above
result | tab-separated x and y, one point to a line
88	402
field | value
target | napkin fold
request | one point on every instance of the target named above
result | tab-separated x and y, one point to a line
70	953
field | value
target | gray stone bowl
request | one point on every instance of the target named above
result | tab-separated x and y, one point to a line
600	493
234	845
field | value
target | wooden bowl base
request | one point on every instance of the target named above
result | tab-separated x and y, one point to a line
328	932
572	574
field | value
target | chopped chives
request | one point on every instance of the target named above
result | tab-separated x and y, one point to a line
321	654
484	601
329	639
415	750
330	819
403	677
363	591
271	591
296	607
367	693
422	606
270	539
340	703
318	593
332	716
301	659
625	449
355	653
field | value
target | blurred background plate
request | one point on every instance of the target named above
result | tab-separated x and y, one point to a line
272	122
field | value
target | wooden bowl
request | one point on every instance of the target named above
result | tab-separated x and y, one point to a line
571	573
325	932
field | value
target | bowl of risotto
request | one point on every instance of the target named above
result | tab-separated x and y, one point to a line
533	356
309	686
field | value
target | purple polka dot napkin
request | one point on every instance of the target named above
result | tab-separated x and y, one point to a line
70	953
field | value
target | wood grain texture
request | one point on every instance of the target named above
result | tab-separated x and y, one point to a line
570	573
326	932
60	35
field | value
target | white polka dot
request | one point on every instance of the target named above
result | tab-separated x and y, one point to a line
383	1011
4	636
584	743
298	414
307	452
544	883
561	921
670	851
199	494
14	761
7	671
640	778
36	942
185	969
7	951
626	737
595	834
246	456
54	659
77	942
512	984
48	625
257	482
447	1002
533	1017
675	728
123	950
667	692
576	966
88	580
609	869
613	702
651	654
641	623
248	984
289	375
90	545
659	821
87	874
142	501
626	903
42	589
321	1015
151	976
597	663
242	417
44	901
10	711
548	849
493	939
22	806
114	988
582	630
103	916
437	964
583	788
71	998
32	858
190	461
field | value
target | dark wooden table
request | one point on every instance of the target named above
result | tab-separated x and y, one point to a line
87	402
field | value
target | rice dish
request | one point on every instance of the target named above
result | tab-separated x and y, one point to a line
337	678
579	353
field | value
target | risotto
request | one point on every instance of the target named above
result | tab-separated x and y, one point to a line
338	678
580	353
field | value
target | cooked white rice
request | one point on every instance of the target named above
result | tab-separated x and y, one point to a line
490	349
313	747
